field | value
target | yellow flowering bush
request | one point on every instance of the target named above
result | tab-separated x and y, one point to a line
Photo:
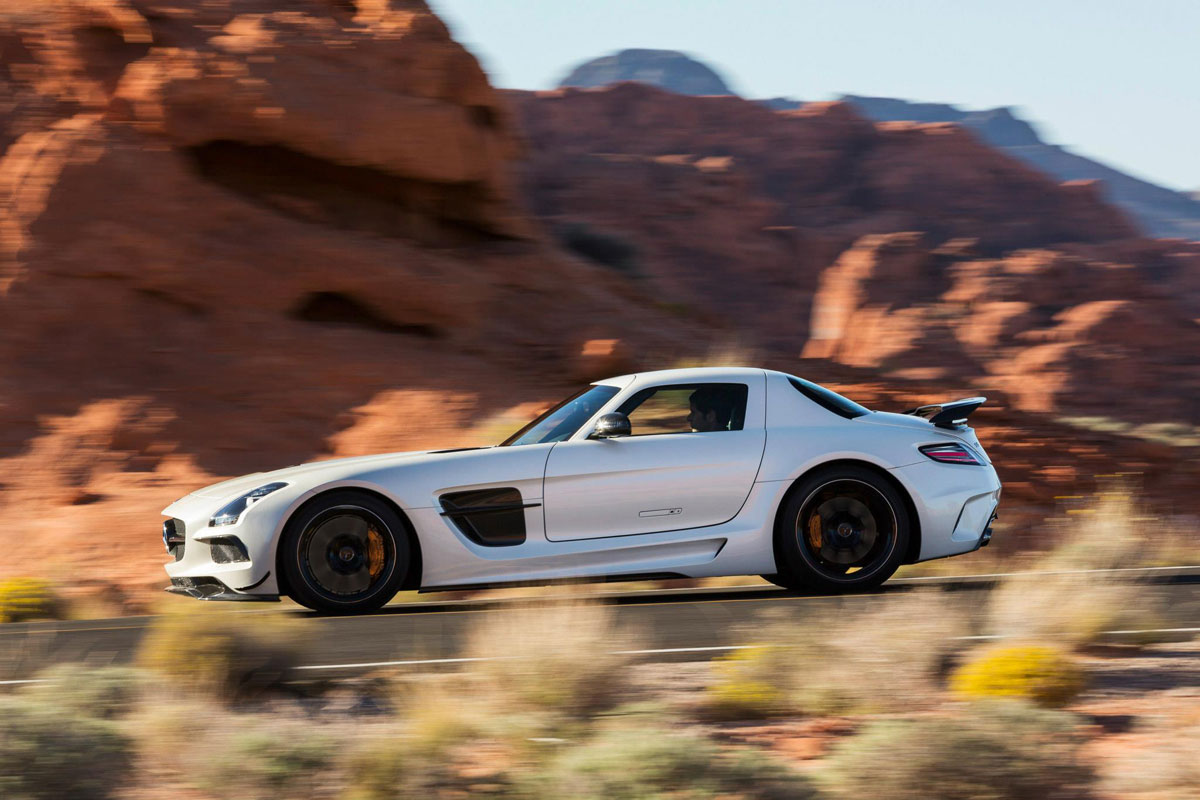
27	598
1042	674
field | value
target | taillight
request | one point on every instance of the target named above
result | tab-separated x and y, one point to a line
950	454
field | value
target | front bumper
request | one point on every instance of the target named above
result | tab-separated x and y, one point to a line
209	588
232	562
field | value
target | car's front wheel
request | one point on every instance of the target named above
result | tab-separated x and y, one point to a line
841	529
345	553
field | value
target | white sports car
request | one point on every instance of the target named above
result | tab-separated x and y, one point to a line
679	473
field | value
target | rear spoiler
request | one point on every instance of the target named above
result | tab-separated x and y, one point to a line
948	415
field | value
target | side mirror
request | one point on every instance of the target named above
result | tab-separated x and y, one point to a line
610	426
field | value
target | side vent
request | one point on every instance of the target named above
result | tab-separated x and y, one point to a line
490	517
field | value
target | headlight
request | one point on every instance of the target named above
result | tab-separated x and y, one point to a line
232	512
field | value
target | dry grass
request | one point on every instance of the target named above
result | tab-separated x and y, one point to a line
221	753
561	656
223	654
1068	603
852	658
48	753
998	751
102	693
653	762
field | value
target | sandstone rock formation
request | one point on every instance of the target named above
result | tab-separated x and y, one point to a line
1054	329
235	236
1157	210
913	250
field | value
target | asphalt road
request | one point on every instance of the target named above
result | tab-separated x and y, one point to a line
671	625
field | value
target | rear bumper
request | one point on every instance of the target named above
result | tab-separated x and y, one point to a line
955	503
986	536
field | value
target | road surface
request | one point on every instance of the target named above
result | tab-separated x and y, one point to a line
690	624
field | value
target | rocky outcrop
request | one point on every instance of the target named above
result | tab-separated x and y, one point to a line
235	236
666	69
912	249
734	210
1157	210
1055	330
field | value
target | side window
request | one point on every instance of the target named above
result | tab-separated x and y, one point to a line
687	408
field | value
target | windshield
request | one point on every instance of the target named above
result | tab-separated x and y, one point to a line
565	418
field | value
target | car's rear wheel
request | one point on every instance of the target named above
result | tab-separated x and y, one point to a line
345	553
841	529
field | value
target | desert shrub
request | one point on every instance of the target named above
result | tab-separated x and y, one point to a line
105	692
27	598
47	753
998	751
1081	608
388	767
600	247
232	655
746	683
268	757
886	657
438	715
271	755
1044	675
380	771
560	657
1077	610
648	763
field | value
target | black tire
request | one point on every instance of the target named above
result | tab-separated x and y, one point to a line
345	553
842	529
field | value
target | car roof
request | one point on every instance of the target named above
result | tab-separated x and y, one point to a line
683	375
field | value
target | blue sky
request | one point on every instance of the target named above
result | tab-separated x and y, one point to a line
1115	80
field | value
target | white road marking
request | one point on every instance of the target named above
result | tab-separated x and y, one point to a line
1039	573
672	650
373	664
662	651
652	652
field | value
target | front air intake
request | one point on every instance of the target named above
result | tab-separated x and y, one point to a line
227	550
174	540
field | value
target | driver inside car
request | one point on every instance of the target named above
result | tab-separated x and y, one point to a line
711	409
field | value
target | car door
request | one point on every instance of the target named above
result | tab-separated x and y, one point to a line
665	476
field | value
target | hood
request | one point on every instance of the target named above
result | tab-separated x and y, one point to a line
238	486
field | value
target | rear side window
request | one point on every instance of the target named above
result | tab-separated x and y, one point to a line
829	400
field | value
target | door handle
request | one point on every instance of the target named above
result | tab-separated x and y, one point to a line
661	512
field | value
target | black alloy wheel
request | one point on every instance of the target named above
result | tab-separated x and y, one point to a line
841	529
345	553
